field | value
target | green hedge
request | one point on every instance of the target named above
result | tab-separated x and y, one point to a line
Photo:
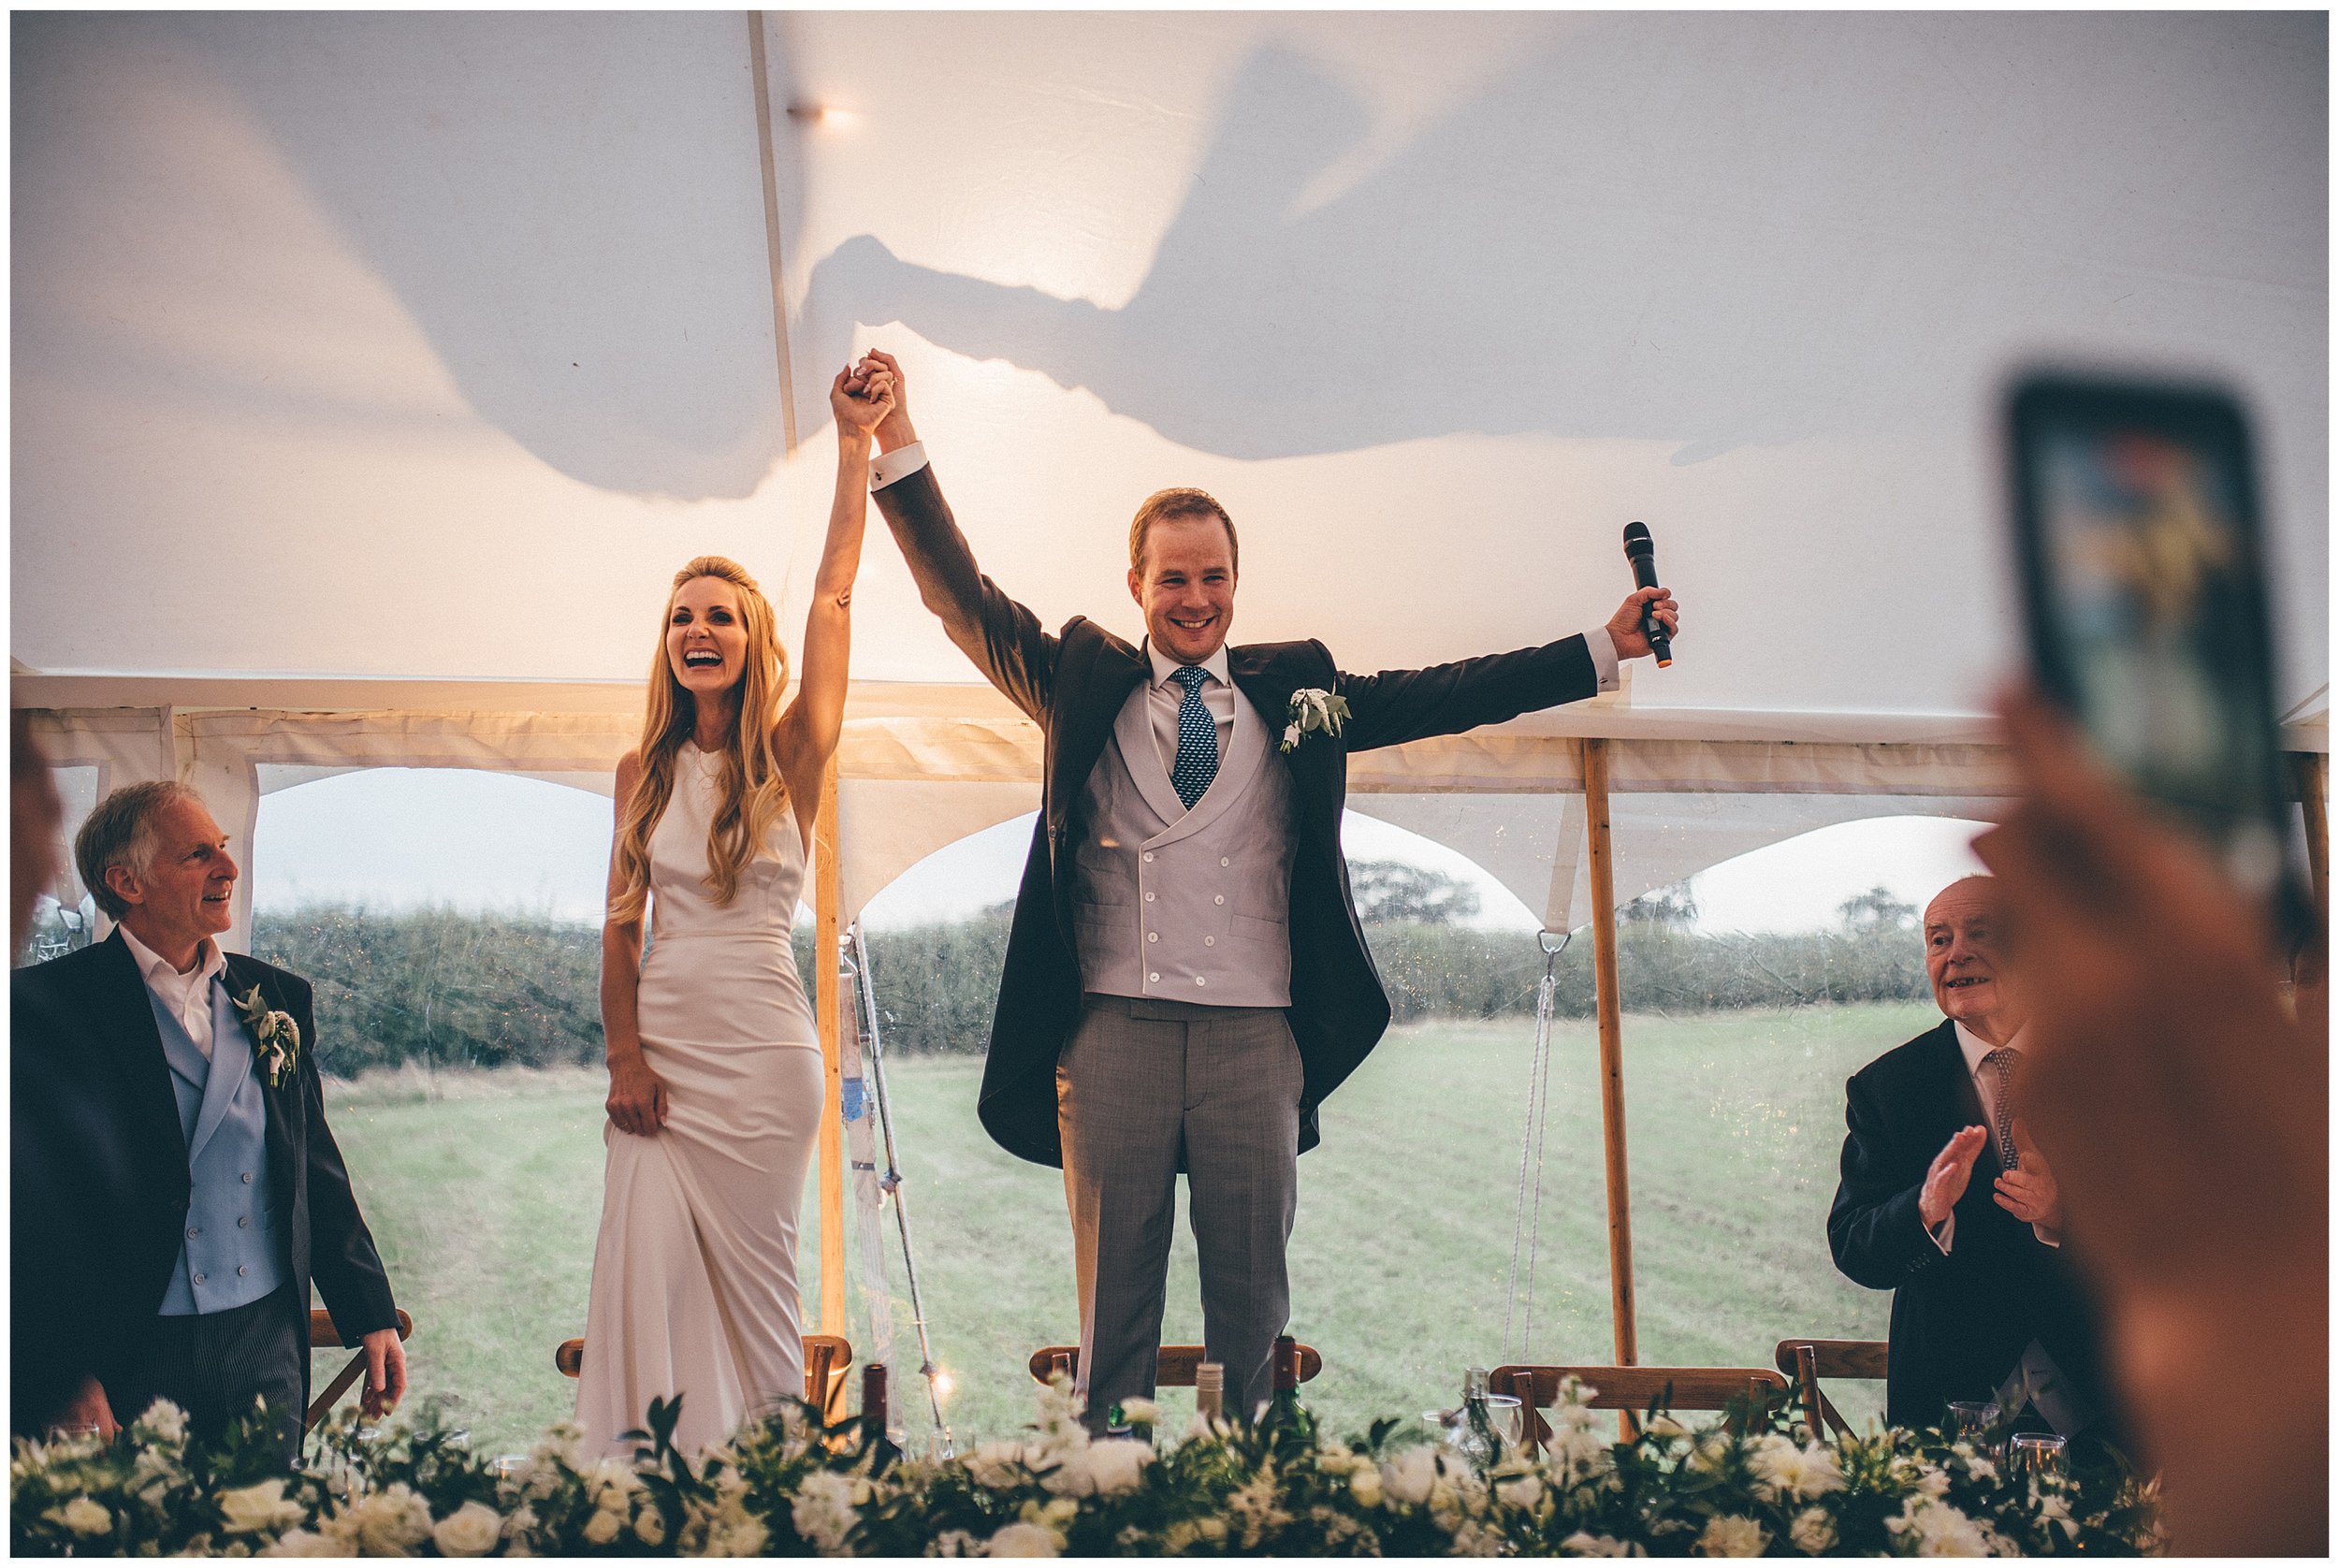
448	989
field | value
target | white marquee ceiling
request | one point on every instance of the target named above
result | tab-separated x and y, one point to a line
392	362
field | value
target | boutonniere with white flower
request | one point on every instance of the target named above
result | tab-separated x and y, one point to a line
275	1037
1313	708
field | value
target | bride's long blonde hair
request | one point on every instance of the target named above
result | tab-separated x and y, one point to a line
750	792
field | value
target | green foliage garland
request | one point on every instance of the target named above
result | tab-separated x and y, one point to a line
1756	1485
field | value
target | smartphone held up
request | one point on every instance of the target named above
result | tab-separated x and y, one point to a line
2137	536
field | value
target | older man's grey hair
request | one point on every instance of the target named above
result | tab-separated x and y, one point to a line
120	831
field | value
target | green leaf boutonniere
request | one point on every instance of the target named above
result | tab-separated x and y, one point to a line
275	1037
1313	708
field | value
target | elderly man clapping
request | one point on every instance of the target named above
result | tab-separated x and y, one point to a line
1982	1300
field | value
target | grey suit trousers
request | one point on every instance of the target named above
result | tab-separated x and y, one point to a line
214	1365
1140	1085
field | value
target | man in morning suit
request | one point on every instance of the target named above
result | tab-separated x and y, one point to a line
239	1199
1982	1297
1185	979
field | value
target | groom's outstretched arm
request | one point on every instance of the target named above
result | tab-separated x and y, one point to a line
1004	639
1398	706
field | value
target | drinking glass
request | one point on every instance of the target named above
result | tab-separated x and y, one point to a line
2036	1454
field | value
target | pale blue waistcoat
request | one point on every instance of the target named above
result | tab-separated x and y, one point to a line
229	1257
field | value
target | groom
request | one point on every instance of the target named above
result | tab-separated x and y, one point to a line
1185	979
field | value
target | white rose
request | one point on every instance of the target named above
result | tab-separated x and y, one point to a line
951	1543
823	1512
1732	1535
1411	1474
471	1530
166	1421
1583	1544
259	1506
1519	1491
1813	1532
996	1466
85	1518
1940	1529
601	1528
1364	1483
305	1543
1711	1452
1117	1465
1022	1540
390	1523
1291	737
1140	1413
649	1527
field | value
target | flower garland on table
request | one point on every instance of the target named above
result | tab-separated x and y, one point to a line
787	1485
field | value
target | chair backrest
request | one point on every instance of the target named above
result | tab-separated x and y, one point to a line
827	1358
1638	1387
1173	1366
1865	1358
1632	1389
324	1336
1808	1361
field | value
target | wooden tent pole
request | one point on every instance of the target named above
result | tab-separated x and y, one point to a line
1604	970
828	902
2313	771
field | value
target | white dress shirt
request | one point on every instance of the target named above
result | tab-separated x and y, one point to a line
903	461
1977	1051
186	996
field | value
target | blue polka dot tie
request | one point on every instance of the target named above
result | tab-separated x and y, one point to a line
1198	738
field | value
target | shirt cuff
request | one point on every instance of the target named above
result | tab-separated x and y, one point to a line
2046	1238
1599	645
900	463
1944	1234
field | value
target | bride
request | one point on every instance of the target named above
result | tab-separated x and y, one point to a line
715	1075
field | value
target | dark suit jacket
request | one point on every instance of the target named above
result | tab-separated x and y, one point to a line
85	1022
1960	1322
1073	685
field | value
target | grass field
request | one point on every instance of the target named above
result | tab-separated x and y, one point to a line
483	1190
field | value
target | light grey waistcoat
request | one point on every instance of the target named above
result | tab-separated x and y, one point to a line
1187	905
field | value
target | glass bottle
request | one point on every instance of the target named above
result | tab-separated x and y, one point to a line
1288	1424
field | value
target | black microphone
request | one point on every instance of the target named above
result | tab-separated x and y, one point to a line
1642	552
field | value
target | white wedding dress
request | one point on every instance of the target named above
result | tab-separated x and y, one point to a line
695	1274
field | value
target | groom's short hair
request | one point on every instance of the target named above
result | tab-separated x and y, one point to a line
120	831
1181	501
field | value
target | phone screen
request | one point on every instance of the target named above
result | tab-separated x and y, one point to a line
2138	523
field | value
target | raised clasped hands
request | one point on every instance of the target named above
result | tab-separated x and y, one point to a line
862	398
1624	627
1952	1168
893	429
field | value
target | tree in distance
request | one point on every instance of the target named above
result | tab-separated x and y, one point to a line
1876	909
1389	890
1669	908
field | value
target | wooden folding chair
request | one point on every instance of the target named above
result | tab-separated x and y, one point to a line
827	1358
1173	1366
1808	1361
1629	1390
324	1336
